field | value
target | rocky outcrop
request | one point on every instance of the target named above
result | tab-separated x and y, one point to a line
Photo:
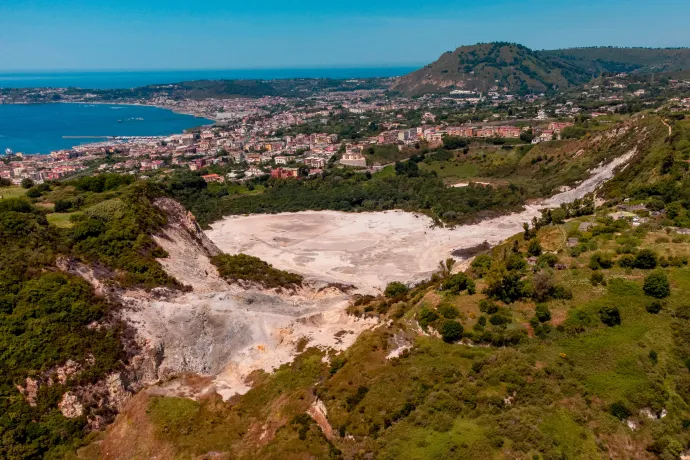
189	249
318	412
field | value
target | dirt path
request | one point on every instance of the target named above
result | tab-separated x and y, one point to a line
670	129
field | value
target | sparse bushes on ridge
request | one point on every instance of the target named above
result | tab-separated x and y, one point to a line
395	289
242	267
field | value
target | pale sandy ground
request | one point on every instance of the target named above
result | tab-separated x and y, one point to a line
222	331
370	250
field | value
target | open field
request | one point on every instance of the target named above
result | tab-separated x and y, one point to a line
11	192
61	220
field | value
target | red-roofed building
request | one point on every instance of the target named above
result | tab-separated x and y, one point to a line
213	178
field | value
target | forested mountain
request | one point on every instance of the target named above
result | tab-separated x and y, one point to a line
520	70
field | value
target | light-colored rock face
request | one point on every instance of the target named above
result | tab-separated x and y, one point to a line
369	250
221	330
70	406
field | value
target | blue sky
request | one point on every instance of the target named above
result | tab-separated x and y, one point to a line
228	34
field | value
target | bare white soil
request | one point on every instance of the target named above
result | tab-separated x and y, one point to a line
226	331
370	250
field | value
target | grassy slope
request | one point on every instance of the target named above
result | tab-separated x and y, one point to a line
11	192
544	168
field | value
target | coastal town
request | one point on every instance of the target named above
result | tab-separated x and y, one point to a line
285	137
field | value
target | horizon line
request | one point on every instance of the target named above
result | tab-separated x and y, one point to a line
215	69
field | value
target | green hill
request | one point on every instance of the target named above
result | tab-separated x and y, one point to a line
520	70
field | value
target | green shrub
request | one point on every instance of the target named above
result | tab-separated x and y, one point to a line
448	311
451	331
458	283
395	289
487	306
562	293
600	260
426	316
619	410
547	260
646	260
597	278
653	356
657	285
610	315
654	307
627	261
62	205
107	210
481	265
542	313
242	267
500	319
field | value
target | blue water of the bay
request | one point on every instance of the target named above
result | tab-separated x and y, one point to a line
40	128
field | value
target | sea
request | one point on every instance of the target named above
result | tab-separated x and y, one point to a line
133	79
42	128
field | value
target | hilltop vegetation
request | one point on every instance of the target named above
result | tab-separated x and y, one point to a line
47	316
242	267
521	70
615	60
345	190
225	89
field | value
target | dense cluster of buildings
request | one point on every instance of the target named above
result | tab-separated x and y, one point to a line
245	147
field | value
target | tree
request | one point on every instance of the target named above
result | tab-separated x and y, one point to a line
542	313
534	249
667	163
481	265
656	285
505	285
528	233
62	205
610	315
451	331
646	260
542	285
396	289
27	183
458	283
527	136
445	268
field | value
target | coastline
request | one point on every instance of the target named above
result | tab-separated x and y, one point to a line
205	122
135	104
